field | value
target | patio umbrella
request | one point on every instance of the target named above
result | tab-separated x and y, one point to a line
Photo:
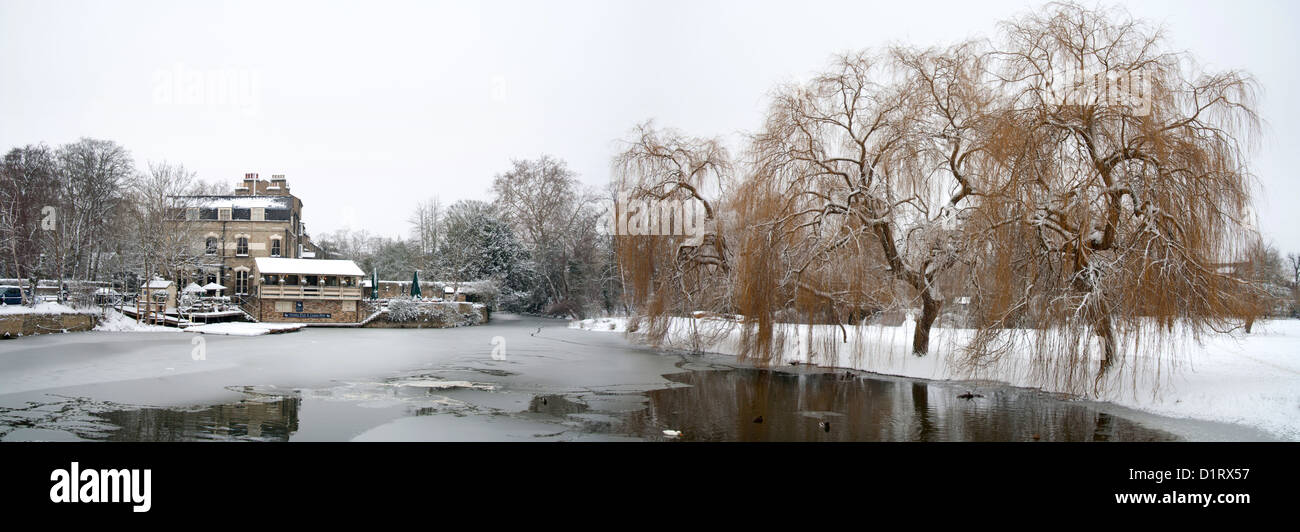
213	286
415	284
193	288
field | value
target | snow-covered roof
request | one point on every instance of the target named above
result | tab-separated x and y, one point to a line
157	283
275	265
236	202
193	287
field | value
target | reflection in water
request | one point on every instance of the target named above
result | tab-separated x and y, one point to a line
555	405
719	405
724	406
269	419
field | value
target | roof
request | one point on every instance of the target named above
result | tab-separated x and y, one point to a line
237	202
156	283
275	265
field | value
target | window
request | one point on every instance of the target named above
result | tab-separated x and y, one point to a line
223	213
211	246
241	282
275	247
241	246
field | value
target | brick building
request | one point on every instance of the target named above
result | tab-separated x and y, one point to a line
260	219
306	290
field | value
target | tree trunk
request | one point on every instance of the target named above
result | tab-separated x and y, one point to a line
1106	332
929	312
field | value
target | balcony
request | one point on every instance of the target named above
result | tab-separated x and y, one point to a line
309	292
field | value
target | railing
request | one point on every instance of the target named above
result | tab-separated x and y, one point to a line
308	292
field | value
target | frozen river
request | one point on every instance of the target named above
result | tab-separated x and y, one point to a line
548	382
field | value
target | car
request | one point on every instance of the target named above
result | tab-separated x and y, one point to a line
11	295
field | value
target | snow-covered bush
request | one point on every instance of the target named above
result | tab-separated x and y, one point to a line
439	312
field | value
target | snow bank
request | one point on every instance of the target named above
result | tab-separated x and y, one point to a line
235	328
601	324
1234	378
118	322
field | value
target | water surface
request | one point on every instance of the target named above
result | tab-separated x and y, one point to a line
555	384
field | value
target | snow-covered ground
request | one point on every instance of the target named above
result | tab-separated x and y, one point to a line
1234	378
118	322
238	328
600	324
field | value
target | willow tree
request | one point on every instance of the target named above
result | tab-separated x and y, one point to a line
861	180
669	185
1123	179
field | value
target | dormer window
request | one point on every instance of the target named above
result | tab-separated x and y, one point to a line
223	213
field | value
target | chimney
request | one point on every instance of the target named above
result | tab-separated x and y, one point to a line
278	185
248	186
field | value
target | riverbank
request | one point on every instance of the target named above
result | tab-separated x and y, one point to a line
17	321
1251	380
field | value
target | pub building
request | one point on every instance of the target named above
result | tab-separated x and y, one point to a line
307	290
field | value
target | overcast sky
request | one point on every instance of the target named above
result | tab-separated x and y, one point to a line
369	107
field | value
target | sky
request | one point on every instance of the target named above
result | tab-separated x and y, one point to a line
371	107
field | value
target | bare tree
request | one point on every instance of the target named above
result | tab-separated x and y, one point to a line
864	174
1116	212
426	225
94	174
163	244
28	198
1293	263
557	219
676	267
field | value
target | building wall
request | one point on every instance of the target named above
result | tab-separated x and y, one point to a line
258	232
15	325
340	310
